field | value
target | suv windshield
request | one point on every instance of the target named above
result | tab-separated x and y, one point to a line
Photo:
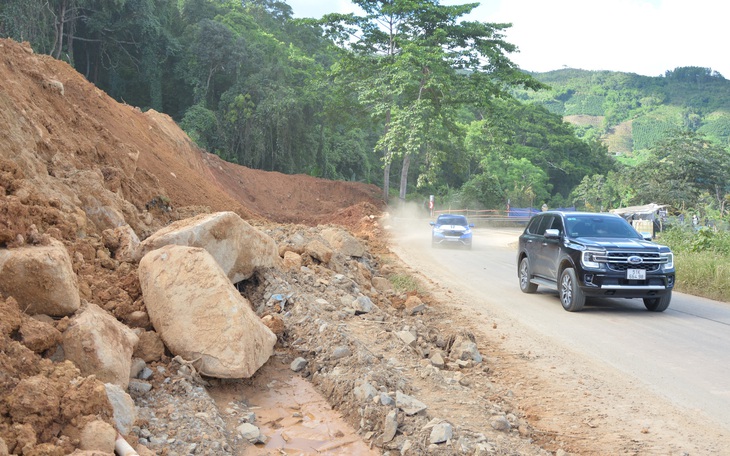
451	220
597	226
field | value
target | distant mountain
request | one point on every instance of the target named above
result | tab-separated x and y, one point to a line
631	113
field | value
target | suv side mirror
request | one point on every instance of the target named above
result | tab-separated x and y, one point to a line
552	234
471	225
432	223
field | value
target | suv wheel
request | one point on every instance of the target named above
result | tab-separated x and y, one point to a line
525	284
659	304
571	296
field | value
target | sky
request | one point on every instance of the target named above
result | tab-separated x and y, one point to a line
646	37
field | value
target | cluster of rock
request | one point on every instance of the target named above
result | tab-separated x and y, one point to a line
187	273
218	295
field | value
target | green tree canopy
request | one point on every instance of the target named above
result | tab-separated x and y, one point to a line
412	60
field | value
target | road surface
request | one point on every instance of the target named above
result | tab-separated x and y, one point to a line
680	356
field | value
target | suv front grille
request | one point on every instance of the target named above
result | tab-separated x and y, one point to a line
619	261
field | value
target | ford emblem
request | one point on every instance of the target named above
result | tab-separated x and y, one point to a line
635	260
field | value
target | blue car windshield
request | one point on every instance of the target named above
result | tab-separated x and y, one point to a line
459	220
599	226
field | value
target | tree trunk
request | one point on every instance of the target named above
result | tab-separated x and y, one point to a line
404	177
386	180
58	43
386	162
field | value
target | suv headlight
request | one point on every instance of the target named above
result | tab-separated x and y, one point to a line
670	261
588	259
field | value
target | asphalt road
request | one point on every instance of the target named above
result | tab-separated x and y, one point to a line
682	354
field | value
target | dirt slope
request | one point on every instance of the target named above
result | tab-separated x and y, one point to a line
55	120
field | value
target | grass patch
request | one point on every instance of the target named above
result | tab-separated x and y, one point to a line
702	261
703	274
404	283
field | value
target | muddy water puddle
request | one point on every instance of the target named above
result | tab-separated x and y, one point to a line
295	418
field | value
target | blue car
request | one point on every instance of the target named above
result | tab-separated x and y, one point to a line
451	229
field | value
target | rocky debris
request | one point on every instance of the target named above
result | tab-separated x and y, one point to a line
98	436
38	335
178	416
124	410
237	247
98	344
341	241
410	405
390	427
150	346
200	315
501	423
122	243
251	433
440	433
298	364
40	278
414	305
40	398
318	251
356	358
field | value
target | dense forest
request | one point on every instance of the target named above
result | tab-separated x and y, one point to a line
408	89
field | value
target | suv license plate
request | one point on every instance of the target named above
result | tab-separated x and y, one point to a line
636	274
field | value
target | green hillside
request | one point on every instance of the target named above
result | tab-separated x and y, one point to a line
630	113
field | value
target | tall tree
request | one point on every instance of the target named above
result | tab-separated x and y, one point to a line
683	168
409	59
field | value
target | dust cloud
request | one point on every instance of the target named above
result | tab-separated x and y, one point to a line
408	221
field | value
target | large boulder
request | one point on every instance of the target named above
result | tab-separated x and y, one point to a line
200	315
99	344
237	247
41	279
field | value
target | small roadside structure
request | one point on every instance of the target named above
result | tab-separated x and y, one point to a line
649	218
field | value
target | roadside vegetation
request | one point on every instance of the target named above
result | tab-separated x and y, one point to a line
702	260
404	283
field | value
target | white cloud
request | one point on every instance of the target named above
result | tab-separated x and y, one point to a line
646	37
316	9
639	36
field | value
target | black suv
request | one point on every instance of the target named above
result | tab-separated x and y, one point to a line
585	254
